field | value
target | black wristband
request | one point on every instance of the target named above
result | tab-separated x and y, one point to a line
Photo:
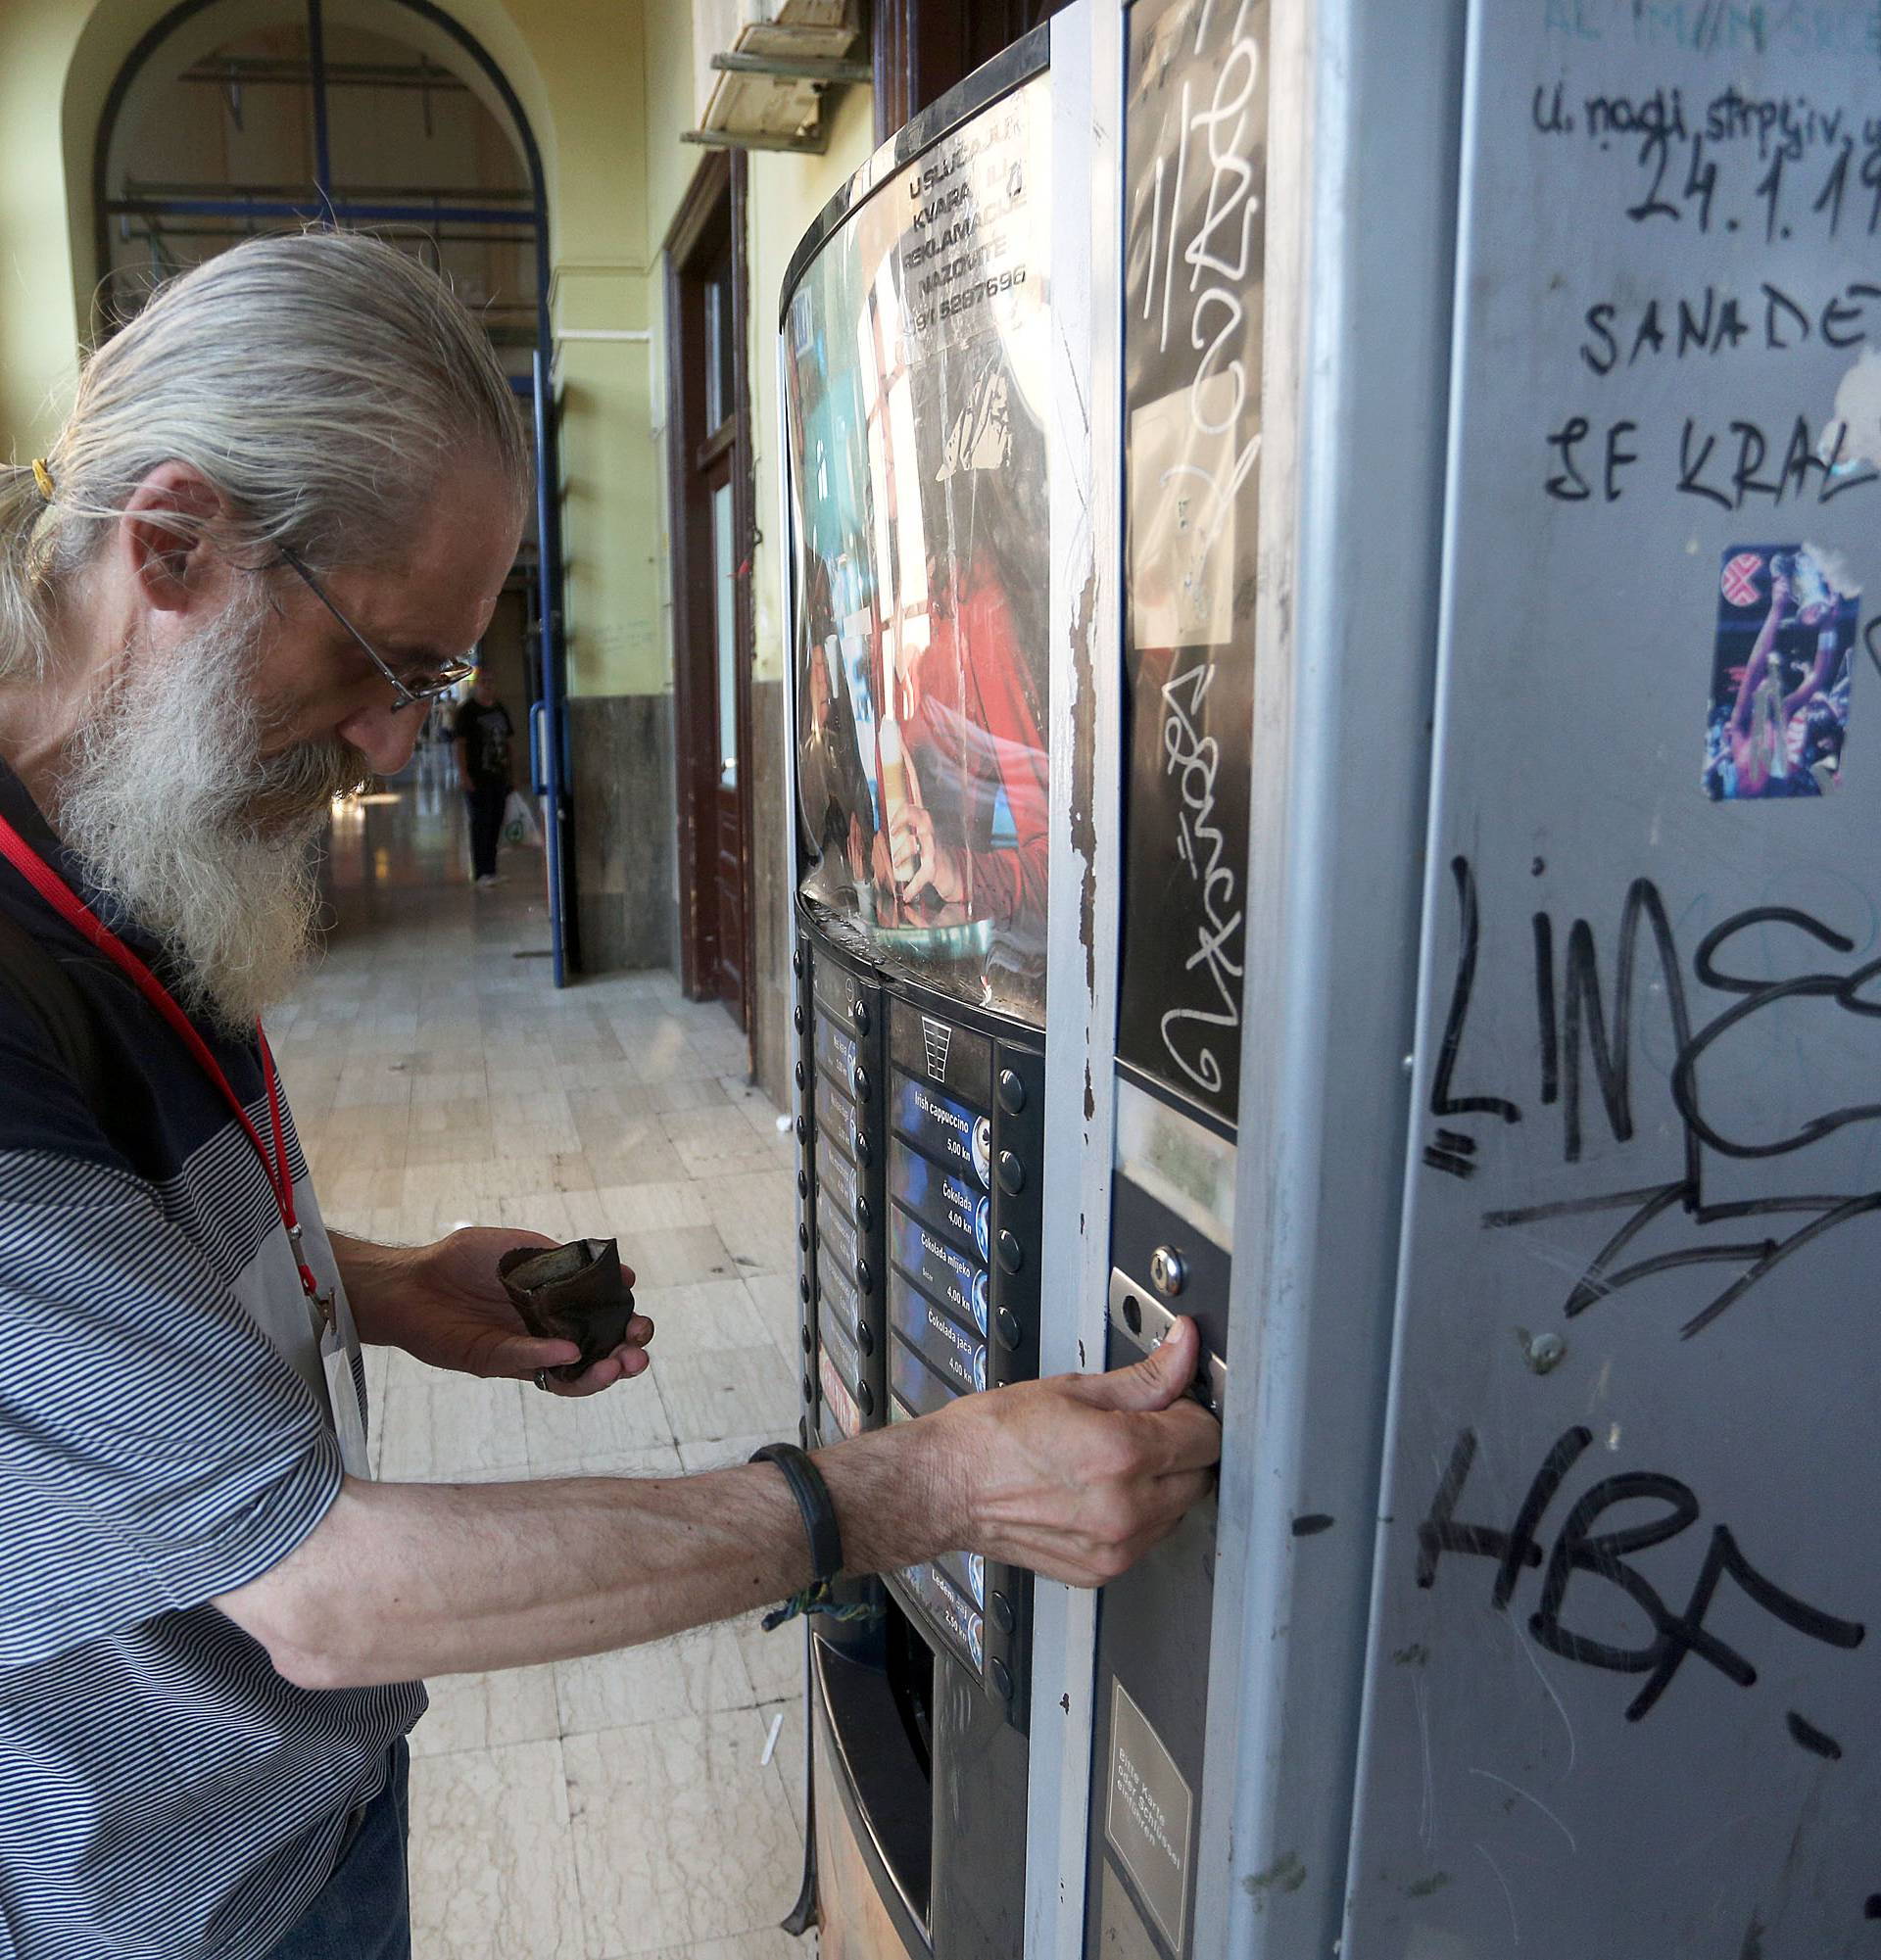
812	1497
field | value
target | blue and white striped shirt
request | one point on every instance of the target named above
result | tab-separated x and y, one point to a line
165	1437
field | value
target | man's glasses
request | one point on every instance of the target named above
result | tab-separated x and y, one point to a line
424	687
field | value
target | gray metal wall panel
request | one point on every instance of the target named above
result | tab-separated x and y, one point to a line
1620	1699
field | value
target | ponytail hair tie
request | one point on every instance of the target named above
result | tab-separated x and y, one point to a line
42	476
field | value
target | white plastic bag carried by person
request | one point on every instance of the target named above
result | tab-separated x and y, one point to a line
519	825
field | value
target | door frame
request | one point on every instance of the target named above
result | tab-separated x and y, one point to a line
711	215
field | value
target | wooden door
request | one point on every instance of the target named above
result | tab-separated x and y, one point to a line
710	443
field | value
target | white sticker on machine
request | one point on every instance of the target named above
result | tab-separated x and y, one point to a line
1147	1817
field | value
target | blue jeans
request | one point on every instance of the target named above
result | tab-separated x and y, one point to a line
363	1911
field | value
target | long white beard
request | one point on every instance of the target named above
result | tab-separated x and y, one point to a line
179	821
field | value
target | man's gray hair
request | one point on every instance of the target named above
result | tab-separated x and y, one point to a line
323	383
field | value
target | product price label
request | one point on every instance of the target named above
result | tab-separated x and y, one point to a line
939	1269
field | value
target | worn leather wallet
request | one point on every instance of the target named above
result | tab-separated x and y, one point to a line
573	1292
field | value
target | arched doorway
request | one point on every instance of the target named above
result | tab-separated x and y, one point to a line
232	118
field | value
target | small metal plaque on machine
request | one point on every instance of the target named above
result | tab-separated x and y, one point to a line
942	1601
941	1052
837	1397
947	1348
943	1128
837	1182
942	1198
835	1049
835	1114
1146	1817
913	1384
939	1269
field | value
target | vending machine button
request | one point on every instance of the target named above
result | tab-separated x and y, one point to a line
796	963
805	1333
864	1398
803	1184
1012	1092
1000	1676
803	1238
809	1389
860	1083
1003	1617
863	1155
796	1075
1010	1332
803	1287
864	1278
803	1130
859	1014
1012	1255
865	1338
796	1018
864	1217
1012	1174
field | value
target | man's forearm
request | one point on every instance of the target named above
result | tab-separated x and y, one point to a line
406	1580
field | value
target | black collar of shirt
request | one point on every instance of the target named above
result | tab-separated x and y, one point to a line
26	817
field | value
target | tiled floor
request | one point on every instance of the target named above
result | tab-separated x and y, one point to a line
635	1804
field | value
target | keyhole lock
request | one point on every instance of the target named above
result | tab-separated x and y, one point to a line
1167	1270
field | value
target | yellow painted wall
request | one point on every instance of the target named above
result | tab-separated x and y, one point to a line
787	191
576	66
607	86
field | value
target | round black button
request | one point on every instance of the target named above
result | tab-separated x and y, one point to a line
803	1238
862	1153
797	964
803	1287
797	1018
1012	1092
859	1081
807	1340
803	1184
859	1014
1003	1617
864	1278
1012	1255
797	1074
1000	1677
865	1338
1012	1174
809	1389
864	1216
864	1399
803	1130
1010	1332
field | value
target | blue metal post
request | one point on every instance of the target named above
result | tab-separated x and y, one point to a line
317	68
552	758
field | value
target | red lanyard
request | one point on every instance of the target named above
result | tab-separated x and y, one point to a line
76	911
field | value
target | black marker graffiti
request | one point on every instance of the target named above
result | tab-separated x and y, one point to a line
1584	1040
1194	760
1609	1555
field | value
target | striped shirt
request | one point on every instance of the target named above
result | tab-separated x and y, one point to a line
165	1437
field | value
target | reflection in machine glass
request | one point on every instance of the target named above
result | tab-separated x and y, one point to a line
916	349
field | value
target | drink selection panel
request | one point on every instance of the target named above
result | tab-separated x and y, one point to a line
920	1149
962	1162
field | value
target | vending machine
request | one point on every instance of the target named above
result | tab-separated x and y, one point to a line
1327	552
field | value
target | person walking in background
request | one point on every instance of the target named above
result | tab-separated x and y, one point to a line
483	731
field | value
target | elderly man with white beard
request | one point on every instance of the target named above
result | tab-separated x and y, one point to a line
281	506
